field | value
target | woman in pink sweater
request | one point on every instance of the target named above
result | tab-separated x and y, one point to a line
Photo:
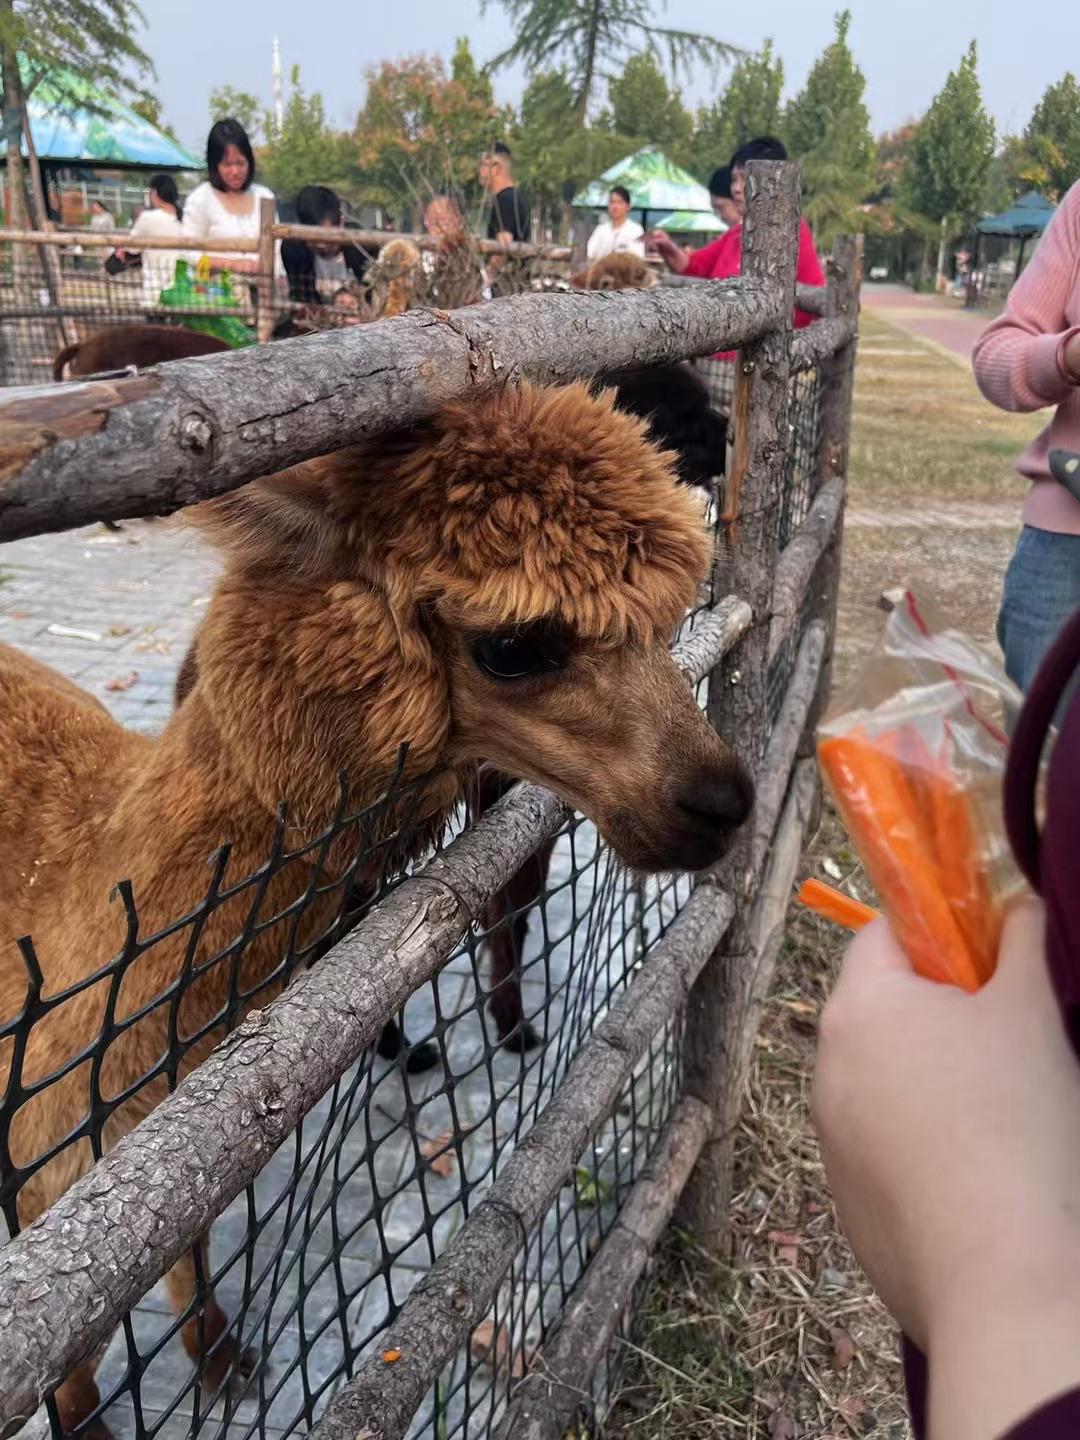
1028	359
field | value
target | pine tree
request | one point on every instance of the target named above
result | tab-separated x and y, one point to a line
1052	139
552	160
645	112
589	39
748	107
827	127
953	150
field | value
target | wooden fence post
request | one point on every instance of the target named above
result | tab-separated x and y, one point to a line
837	381
265	282
738	688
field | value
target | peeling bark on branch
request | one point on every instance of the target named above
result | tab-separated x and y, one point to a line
196	428
818	342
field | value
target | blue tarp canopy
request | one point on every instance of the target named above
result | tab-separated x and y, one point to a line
75	123
1024	220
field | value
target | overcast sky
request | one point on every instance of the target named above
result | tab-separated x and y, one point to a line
905	49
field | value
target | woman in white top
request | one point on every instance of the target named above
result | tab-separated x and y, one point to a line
161	217
227	205
619	233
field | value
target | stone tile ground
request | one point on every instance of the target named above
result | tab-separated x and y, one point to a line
342	1245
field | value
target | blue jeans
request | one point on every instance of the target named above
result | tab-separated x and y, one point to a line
1042	589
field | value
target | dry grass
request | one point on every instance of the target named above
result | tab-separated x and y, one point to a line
784	1338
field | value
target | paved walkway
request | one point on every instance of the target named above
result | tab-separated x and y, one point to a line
939	319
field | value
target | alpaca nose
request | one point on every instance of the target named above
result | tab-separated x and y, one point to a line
716	799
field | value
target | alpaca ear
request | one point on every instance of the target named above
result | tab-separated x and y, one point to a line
283	521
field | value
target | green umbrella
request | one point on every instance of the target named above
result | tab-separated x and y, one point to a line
1023	221
692	222
655	184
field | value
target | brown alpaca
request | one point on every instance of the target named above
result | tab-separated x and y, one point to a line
118	346
399	274
500	584
616	272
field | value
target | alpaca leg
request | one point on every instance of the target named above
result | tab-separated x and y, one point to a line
393	1040
508	946
205	1336
79	1397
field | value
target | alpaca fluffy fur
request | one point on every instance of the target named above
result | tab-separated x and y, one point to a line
329	639
621	271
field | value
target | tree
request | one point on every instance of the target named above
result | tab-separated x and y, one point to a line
827	127
953	150
749	106
645	112
422	131
552	160
149	107
93	41
1051	146
591	38
304	150
229	104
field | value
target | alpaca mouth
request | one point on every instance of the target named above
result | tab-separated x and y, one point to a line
686	845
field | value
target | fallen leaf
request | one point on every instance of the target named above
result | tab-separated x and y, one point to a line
22	614
782	1426
784	1237
831	868
122	682
787	1246
119	629
843	1349
391	1356
439	1155
801	1007
489	1346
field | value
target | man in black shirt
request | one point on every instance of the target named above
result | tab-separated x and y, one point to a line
509	210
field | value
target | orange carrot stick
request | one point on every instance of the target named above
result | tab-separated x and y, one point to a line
879	808
832	904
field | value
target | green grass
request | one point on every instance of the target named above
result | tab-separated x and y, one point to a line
921	430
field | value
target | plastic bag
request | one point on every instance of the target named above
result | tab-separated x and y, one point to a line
914	757
206	294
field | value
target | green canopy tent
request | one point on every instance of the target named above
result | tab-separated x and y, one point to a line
75	123
692	222
656	184
1024	221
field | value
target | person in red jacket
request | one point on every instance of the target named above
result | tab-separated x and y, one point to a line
722	258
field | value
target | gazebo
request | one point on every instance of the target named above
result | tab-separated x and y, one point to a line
656	184
1024	221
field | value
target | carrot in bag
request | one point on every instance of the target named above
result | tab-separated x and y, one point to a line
878	806
913	757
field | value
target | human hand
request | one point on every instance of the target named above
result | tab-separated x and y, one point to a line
241	267
950	1125
659	243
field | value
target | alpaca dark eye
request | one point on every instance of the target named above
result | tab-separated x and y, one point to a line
514	654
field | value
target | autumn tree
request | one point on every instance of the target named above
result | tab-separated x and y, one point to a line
589	41
748	106
422	130
644	111
229	104
827	127
304	149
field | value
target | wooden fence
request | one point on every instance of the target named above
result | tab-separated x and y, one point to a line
152	443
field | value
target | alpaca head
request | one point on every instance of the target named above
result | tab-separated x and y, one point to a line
500	584
621	271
